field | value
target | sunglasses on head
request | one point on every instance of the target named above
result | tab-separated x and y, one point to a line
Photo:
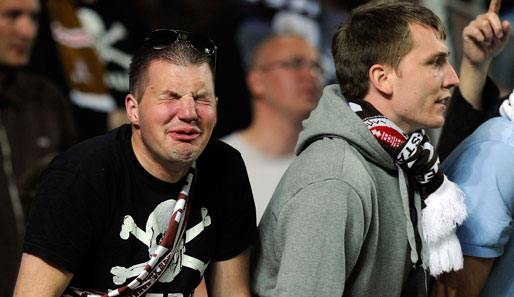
163	38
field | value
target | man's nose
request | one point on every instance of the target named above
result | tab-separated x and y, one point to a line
451	78
187	109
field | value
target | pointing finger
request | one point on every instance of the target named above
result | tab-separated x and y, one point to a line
495	5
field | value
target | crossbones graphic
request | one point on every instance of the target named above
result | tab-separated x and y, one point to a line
155	229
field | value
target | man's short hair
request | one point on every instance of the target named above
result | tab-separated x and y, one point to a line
180	53
376	33
256	54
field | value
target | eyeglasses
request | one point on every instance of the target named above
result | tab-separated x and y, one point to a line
163	38
294	64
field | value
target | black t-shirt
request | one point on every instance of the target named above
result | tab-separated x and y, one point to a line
100	215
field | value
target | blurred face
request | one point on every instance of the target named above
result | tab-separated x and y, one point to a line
18	29
177	113
423	81
288	77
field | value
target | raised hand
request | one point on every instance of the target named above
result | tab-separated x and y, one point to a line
485	36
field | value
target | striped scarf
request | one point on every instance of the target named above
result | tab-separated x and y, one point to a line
162	256
443	201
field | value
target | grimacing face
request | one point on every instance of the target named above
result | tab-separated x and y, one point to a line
423	82
177	113
18	30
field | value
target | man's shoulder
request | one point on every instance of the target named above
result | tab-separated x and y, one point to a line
493	140
98	151
23	76
332	161
219	152
334	157
495	129
36	84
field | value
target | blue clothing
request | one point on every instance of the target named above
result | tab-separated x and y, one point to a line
483	166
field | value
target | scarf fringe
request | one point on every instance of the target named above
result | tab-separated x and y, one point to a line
444	255
445	209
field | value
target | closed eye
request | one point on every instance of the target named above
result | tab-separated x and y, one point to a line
203	98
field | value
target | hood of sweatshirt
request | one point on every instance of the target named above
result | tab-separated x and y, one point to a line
333	116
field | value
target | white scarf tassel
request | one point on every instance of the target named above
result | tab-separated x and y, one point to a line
445	209
445	255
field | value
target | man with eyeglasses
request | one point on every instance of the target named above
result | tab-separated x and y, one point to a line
150	206
285	81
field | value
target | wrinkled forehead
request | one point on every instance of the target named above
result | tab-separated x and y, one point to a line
179	74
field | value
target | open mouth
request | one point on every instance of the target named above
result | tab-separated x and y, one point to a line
442	101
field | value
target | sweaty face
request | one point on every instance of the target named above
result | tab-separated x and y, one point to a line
18	29
423	82
177	113
290	77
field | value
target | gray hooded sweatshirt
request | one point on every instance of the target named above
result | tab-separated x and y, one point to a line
338	223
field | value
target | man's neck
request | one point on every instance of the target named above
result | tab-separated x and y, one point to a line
164	170
272	133
383	106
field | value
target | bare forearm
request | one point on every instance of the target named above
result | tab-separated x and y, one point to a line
39	278
483	39
230	277
472	81
466	282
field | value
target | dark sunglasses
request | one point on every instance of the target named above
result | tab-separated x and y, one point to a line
163	38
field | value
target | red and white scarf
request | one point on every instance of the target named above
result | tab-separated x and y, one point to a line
444	206
162	256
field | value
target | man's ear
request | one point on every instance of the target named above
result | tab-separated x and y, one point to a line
254	83
132	107
381	78
216	111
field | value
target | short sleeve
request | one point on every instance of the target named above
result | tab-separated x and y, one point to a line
236	228
484	171
61	224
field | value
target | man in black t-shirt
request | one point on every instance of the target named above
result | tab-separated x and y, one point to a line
151	206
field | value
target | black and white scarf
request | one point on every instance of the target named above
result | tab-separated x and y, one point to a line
443	201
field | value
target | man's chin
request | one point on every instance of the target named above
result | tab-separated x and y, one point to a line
15	61
184	156
438	124
186	153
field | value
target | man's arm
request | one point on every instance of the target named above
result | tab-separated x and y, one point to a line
483	39
466	282
474	102
40	278
309	247
230	277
